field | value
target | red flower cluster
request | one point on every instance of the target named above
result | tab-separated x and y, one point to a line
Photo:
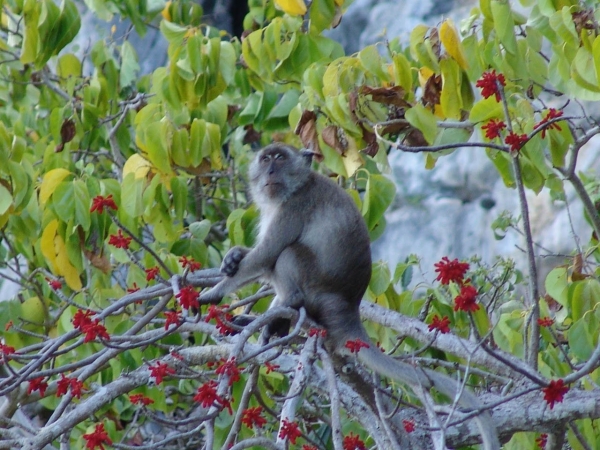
551	114
97	438
493	128
309	447
207	396
54	284
555	392
451	270
160	371
229	368
221	317
442	325
252	417
289	430
516	141
37	384
189	263
319	332
489	84
542	440
465	301
188	298
100	202
409	425
545	322
353	442
140	399
92	329
173	317
63	385
355	345
152	273
133	289
120	241
6	350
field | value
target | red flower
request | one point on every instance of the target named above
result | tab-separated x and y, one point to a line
488	84
160	371
353	442
551	114
189	263
63	385
172	317
8	325
99	203
451	270
320	332
207	394
119	240
355	345
54	284
271	367
465	301
37	384
409	425
6	350
516	141
93	330
440	324
493	128
140	399
230	369
542	440
188	298
97	438
289	430
82	318
252	417
133	289
222	319
555	392
309	447
545	322
152	273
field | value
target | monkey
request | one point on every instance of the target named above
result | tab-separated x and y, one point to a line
313	248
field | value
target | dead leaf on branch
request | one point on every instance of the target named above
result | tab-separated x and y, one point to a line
393	95
307	130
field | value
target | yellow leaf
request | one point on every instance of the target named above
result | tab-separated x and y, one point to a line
339	2
137	165
452	44
51	180
47	245
352	159
166	13
292	7
64	266
425	73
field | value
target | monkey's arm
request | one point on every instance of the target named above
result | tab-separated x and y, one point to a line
248	265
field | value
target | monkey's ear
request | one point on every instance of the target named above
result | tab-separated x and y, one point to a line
307	155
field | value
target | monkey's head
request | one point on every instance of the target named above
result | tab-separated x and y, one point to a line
278	170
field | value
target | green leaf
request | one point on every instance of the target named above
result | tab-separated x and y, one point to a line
371	60
560	141
174	33
580	336
6	199
82	204
129	65
379	194
424	120
504	25
380	278
557	285
132	189
63	201
451	100
200	229
583	296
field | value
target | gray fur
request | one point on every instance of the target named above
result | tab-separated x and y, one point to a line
314	249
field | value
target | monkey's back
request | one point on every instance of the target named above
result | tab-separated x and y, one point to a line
338	256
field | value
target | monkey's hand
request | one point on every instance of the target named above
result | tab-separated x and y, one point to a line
232	260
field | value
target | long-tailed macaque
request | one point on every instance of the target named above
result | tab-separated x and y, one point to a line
314	249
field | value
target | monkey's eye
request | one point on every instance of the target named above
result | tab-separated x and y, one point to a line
264	159
279	156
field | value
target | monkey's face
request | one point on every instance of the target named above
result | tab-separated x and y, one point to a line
277	172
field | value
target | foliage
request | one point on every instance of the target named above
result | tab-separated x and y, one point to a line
116	187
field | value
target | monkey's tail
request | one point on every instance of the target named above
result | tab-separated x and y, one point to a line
417	377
